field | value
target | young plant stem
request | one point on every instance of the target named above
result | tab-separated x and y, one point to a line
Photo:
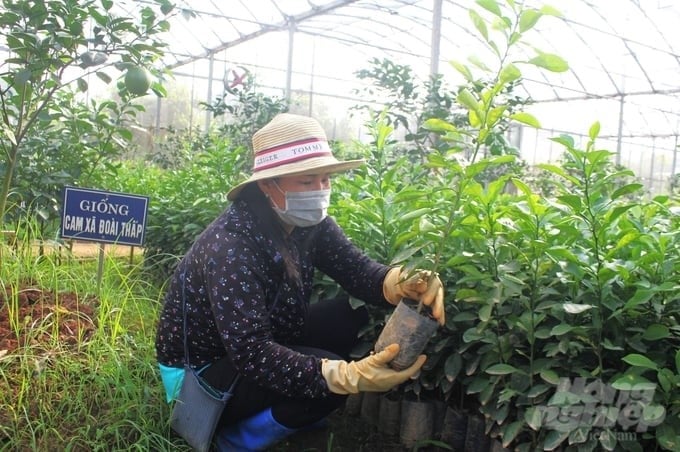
482	133
592	223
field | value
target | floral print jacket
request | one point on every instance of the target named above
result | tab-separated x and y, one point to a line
232	277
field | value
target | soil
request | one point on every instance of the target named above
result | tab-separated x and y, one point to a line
43	317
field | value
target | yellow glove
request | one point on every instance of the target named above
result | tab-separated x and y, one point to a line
371	374
423	286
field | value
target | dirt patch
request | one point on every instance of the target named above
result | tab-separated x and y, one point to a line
31	316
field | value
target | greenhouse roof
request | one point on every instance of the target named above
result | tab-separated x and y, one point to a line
614	48
623	56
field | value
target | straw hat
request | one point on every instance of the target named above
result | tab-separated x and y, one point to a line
291	145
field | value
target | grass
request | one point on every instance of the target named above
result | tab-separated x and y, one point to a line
66	387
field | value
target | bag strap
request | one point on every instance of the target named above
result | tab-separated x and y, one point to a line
227	394
221	395
183	275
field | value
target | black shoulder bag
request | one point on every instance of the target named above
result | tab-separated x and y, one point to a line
198	408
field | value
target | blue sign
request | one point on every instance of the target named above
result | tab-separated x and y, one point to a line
103	216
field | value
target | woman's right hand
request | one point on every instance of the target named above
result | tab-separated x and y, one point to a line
371	374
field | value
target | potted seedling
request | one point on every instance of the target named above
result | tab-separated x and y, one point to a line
411	325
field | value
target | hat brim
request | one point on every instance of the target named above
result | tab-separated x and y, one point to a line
318	165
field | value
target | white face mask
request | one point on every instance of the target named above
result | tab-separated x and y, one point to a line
304	208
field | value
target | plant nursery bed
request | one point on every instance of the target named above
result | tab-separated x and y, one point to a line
344	433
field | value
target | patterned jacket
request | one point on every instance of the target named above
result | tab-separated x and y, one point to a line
232	277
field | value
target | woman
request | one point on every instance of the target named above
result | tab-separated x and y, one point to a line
247	282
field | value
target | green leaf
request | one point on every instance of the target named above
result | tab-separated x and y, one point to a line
501	369
126	134
565	140
514	37
509	73
491	6
550	376
439	125
607	439
641	296
479	24
608	345
598	156
630	382
475	120
656	331
561	329
495	115
417	213
82	85
159	90
526	118
537	390
524	188
409	194
533	417
9	133
548	10
626	189
594	130
560	172
559	254
635	359
618	211
677	361
465	316
466	99
553	439
452	366
653	414
666	379
549	61
528	19
167	7
485	312
474	59
477	385
667	436
510	432
471	335
404	255
573	201
103	76
463	69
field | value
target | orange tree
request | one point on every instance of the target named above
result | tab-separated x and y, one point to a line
53	48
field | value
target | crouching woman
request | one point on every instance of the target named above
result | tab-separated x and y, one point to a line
241	294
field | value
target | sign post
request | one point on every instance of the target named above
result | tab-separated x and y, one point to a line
104	217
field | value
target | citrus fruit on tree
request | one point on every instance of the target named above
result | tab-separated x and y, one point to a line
137	80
